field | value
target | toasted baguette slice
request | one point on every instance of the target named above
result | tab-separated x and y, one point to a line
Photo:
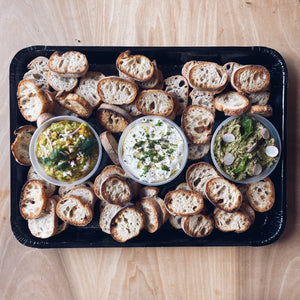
183	186
232	103
152	212
73	211
33	199
116	190
148	191
116	91
127	224
110	145
43	118
85	194
223	194
198	225
75	103
178	87
88	88
263	110
45	225
106	215
162	205
161	80
208	76
59	110
68	64
250	79
261	195
20	146
138	67
230	67
198	151
197	124
175	221
32	101
203	98
259	98
246	208
64	190
113	118
198	174
237	221
49	187
154	102
183	203
61	227
60	83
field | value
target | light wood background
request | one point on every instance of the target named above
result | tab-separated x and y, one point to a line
270	272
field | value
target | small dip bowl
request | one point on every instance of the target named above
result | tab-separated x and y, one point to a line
38	166
153	150
267	171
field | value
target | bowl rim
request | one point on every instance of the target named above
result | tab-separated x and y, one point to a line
274	133
185	152
40	170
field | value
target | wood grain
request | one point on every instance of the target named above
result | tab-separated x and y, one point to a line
270	272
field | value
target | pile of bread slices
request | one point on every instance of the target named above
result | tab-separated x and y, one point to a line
62	85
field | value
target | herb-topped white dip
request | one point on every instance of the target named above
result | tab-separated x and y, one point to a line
153	150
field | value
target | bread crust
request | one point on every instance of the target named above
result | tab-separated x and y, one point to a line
110	145
198	225
263	110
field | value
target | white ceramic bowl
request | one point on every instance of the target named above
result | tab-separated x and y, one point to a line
130	127
38	167
265	172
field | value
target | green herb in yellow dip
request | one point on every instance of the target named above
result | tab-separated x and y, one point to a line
244	148
67	150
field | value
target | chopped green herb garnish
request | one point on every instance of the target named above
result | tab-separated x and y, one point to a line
158	123
146	169
165	168
87	145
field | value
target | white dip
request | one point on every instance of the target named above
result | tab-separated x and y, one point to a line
153	150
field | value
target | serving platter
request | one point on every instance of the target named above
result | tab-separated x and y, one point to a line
267	227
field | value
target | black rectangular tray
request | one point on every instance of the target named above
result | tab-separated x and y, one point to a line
267	227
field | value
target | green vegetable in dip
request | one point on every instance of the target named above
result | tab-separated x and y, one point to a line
244	148
67	150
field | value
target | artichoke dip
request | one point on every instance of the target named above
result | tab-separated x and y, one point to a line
244	148
67	150
153	150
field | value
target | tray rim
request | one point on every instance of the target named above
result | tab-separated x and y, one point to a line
112	244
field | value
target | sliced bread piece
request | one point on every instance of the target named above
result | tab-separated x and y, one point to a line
60	83
110	145
88	87
46	224
139	67
152	212
175	221
73	211
153	81
203	98
33	199
43	118
127	224
208	76
116	190
116	90
131	109
197	123
230	67
198	174
250	79
154	102
187	67
259	98
49	187
106	215
261	195
183	203
198	225
237	221
59	110
162	205
113	118
183	186
75	103
246	208
198	151
64	190
178	87
263	110
32	101
86	195
148	191
20	146
232	103
68	64
223	194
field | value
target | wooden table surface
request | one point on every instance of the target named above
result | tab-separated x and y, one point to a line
269	272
